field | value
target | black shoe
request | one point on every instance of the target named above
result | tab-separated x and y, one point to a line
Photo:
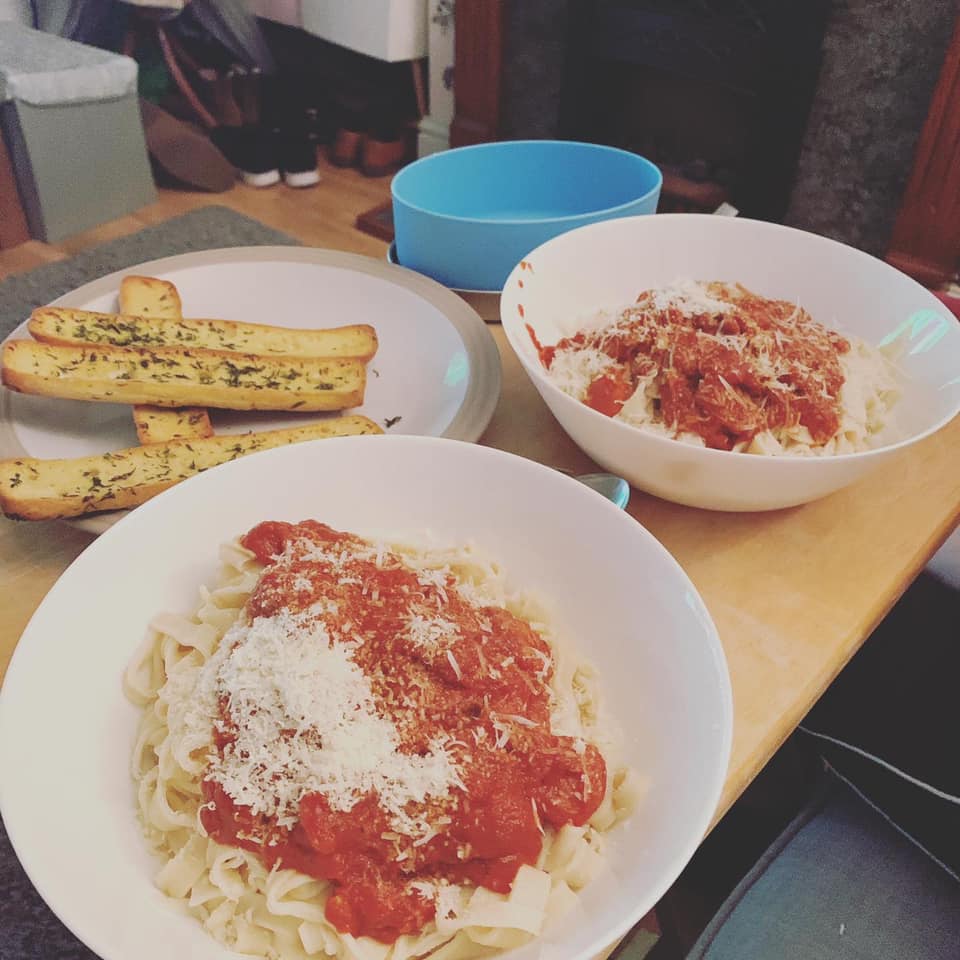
298	160
254	151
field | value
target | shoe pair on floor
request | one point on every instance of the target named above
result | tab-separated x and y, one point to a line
263	155
373	156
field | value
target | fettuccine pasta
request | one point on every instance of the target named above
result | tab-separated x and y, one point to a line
260	893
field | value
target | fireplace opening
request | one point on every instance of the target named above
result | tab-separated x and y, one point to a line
715	92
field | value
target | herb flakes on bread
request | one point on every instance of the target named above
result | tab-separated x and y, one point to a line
34	489
172	377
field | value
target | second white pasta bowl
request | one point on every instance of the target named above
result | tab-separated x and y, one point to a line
614	593
605	266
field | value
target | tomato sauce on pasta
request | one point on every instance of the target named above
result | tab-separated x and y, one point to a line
726	364
471	677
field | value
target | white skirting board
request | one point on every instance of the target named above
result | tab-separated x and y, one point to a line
433	136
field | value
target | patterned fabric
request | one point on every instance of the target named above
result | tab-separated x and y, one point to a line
888	723
840	883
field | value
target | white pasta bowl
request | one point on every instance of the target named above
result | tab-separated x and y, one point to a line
606	265
66	729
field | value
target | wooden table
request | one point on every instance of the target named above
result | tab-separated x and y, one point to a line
794	592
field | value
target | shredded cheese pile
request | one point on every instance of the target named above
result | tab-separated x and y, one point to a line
306	722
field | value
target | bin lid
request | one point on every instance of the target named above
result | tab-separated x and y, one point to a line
42	69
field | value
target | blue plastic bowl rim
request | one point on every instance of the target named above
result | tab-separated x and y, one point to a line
571	218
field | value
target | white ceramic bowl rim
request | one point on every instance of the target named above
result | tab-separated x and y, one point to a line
667	443
572	218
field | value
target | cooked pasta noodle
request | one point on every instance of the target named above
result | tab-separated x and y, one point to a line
280	912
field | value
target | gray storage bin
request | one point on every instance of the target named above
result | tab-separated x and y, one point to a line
70	117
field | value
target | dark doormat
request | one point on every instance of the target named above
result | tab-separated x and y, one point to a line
205	229
378	221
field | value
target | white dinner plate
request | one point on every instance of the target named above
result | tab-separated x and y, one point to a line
436	372
613	592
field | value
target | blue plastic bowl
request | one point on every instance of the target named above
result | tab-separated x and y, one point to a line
467	216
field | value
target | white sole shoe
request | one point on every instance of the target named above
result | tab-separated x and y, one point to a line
302	178
266	179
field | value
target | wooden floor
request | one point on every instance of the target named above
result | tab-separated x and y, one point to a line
321	216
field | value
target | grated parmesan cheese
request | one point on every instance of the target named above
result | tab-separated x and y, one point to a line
436	579
516	718
448	901
454	665
574	370
536	815
688	296
305	721
430	633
